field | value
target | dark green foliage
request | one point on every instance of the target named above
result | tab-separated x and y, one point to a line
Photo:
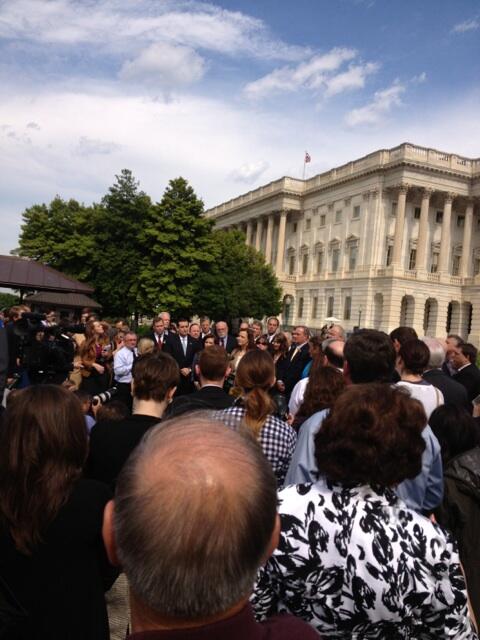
143	258
178	246
238	283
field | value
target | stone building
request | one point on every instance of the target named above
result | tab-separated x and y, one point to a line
390	239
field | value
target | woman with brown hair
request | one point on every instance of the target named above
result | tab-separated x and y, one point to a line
254	411
324	386
353	560
95	355
51	551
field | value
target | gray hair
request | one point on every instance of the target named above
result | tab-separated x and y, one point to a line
437	352
190	536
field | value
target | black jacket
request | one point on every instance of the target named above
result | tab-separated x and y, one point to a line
460	513
231	343
470	378
112	442
209	397
174	347
454	393
295	366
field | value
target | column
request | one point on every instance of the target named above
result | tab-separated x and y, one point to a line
281	243
445	238
268	244
399	225
249	232
422	241
258	238
466	262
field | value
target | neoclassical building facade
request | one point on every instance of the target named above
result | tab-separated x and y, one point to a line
392	238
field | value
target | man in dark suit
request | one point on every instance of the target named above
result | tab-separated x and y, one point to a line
183	349
158	333
454	393
297	357
463	359
225	340
212	368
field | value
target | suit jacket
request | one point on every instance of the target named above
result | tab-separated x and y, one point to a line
295	366
173	346
231	344
167	337
470	378
453	392
209	397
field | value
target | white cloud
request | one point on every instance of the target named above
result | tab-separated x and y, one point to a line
88	147
165	65
468	25
420	78
33	125
122	27
354	78
249	172
314	74
383	101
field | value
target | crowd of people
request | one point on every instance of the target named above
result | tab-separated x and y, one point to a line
268	484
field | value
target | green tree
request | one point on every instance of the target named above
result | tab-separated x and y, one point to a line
117	226
8	300
177	245
238	282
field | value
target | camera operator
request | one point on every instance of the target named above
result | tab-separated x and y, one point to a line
46	361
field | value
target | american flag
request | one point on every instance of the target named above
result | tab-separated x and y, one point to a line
307	157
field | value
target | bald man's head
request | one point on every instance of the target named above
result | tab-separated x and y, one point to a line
189	534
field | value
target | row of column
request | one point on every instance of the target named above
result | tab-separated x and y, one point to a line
422	242
282	227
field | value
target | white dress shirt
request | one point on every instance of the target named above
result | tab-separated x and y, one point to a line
123	363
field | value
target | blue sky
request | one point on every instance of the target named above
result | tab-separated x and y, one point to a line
228	94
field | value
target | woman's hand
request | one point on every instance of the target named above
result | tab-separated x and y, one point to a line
99	368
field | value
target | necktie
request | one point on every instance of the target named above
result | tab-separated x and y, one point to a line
184	344
297	349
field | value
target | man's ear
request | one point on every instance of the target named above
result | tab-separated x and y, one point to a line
274	539
108	534
170	394
197	371
346	372
228	372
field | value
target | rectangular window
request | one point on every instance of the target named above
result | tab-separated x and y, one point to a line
455	265
291	265
330	306
388	261
434	264
335	259
347	308
393	212
323	219
338	216
308	224
416	213
352	258
439	217
476	266
356	212
413	259
314	307
300	307
294	227
460	221
304	263
319	262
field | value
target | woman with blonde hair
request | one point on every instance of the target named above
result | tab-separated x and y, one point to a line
254	410
95	355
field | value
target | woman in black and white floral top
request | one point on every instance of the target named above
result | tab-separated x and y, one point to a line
353	559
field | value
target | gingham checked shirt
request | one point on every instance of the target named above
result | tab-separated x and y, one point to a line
277	438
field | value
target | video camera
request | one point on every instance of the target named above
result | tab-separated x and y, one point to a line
31	323
107	395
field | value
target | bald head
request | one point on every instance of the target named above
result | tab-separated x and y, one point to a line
333	351
189	536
